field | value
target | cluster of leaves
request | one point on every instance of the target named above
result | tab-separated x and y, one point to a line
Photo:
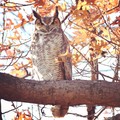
12	41
93	28
25	115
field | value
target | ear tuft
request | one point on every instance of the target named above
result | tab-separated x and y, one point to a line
36	15
56	13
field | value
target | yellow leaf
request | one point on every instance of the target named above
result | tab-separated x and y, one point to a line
13	37
16	66
79	4
76	57
18	73
16	36
10	4
62	7
85	7
63	56
106	32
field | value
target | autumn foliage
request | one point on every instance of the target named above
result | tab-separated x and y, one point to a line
94	27
23	115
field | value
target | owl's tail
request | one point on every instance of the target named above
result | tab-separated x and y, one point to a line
59	111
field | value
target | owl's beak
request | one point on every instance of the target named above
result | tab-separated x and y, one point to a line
47	27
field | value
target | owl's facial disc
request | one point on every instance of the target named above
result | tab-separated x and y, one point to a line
47	21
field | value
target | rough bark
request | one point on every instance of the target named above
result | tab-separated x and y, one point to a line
94	76
62	92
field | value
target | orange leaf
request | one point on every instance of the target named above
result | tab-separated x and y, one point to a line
30	17
55	1
17	26
4	47
29	62
20	24
30	1
46	10
23	116
20	15
40	2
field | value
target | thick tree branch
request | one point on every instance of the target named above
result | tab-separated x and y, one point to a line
59	92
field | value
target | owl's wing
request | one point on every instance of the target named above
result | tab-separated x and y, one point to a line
67	63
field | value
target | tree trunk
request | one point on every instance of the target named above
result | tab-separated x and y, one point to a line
94	76
64	92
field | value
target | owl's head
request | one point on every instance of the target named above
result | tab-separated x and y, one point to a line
47	23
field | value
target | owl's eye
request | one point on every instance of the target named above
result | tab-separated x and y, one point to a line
47	20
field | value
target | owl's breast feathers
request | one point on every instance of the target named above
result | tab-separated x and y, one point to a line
45	50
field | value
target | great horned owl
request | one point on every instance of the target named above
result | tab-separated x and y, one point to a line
48	43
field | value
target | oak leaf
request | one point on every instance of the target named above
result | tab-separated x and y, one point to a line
18	73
